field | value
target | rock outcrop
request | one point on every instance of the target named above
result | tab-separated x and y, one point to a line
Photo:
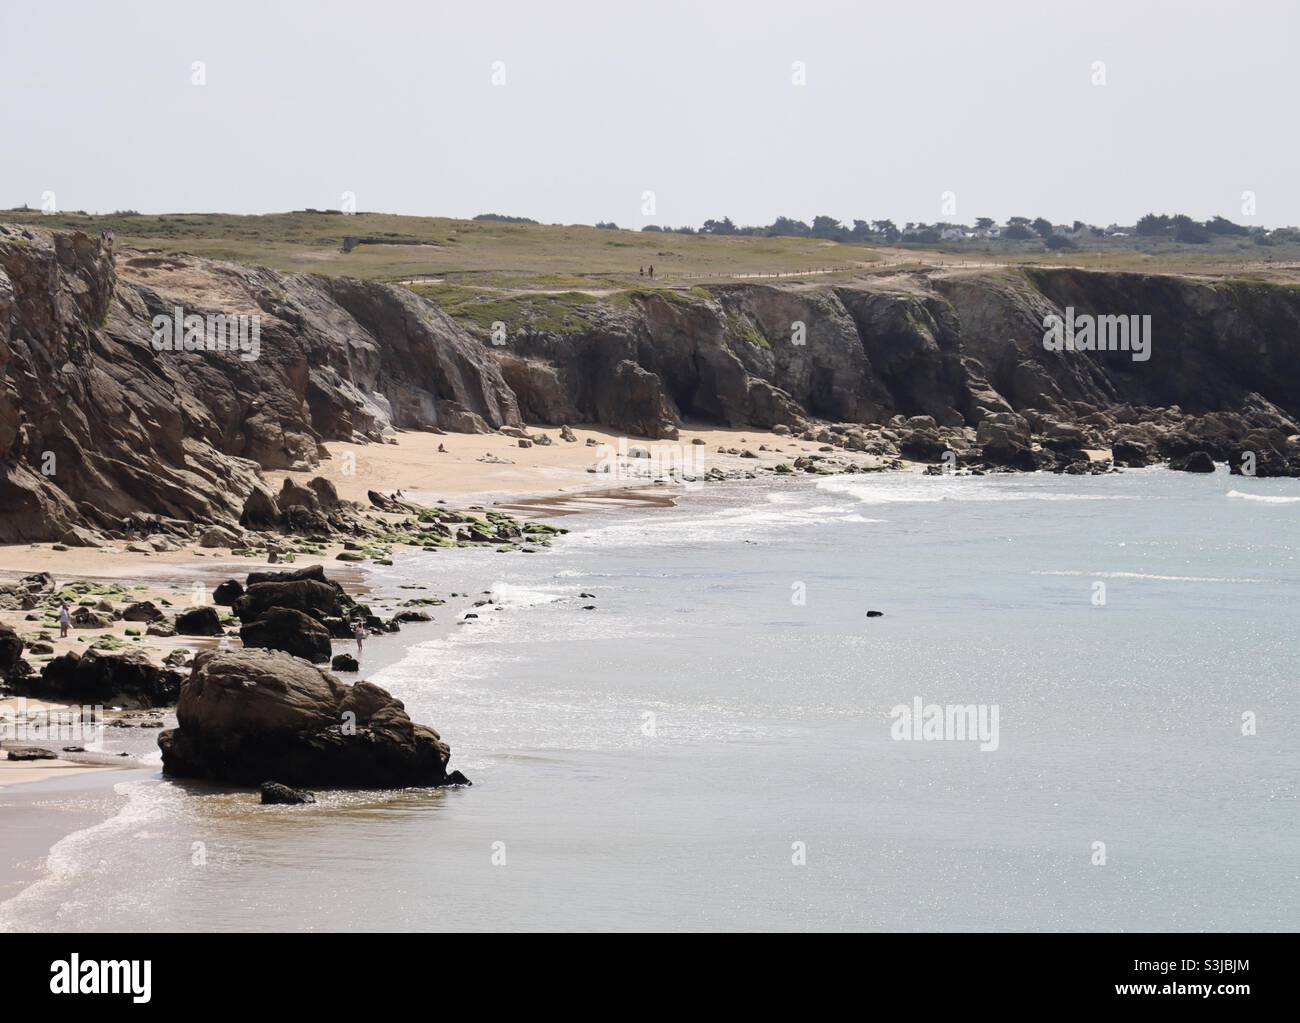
252	716
199	621
97	425
127	678
283	628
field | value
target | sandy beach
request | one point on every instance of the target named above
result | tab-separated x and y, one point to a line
466	471
493	468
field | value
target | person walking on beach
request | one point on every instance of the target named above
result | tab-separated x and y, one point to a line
65	619
359	634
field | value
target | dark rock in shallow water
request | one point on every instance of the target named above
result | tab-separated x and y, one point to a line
1197	461
249	715
339	628
283	628
875	614
273	793
127	678
344	662
199	621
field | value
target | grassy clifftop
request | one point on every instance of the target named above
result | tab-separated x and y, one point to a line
546	256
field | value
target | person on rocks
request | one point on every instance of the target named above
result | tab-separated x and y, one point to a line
359	634
65	619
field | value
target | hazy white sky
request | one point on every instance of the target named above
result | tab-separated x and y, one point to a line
693	101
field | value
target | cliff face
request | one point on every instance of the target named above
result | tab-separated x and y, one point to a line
95	423
953	347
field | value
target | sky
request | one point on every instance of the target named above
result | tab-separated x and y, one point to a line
658	112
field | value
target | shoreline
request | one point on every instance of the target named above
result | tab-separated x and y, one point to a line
44	801
41	811
39	815
170	575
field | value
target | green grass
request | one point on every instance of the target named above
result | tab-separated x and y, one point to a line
576	258
566	312
743	330
565	257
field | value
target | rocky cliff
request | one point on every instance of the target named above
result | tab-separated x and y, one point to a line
928	358
96	423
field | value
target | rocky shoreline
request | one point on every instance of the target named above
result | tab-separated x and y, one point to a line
105	440
275	711
100	431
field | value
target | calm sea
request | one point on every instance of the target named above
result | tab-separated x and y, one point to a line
711	746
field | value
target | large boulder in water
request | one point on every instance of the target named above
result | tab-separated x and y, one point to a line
124	678
251	715
283	628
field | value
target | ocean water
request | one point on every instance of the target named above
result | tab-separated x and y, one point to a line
711	747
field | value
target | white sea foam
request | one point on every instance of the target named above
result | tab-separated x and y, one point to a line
756	521
510	595
1265	498
1153	577
75	855
912	488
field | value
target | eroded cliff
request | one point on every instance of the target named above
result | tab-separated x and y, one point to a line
96	423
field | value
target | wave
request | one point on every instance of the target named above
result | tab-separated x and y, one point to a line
75	856
510	595
913	488
727	525
1265	498
1153	577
